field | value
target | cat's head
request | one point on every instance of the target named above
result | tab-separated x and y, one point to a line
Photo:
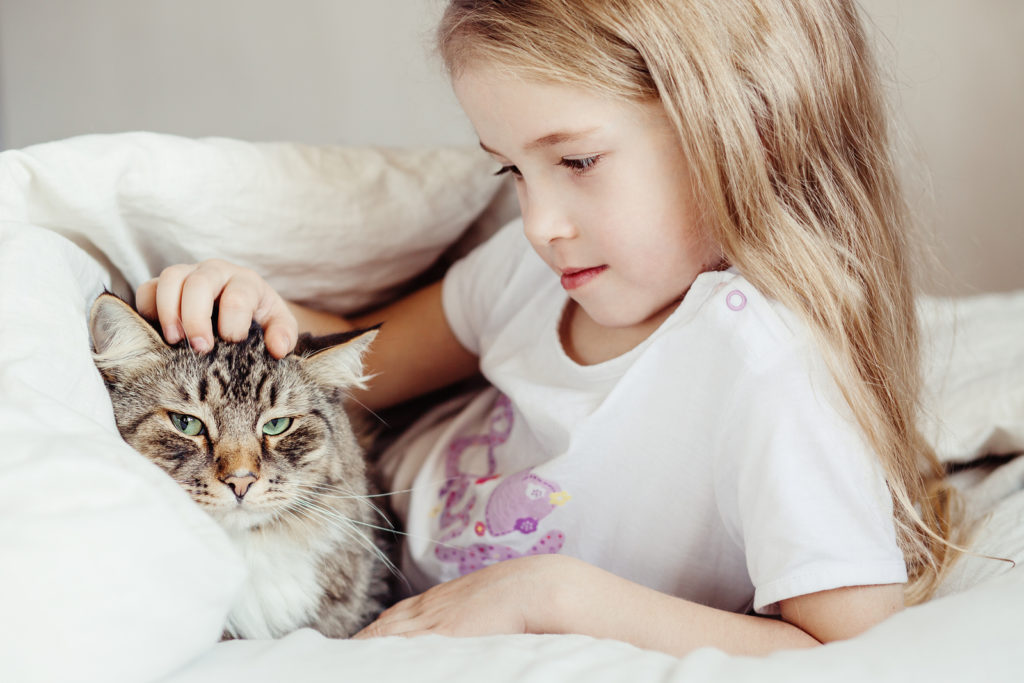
251	438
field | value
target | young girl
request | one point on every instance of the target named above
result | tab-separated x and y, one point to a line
701	337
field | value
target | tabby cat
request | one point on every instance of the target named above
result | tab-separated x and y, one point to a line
265	447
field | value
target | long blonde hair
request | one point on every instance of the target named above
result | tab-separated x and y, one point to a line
780	113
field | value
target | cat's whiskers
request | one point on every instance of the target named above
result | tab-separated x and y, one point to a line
321	490
329	487
309	515
346	526
364	407
300	520
327	513
394	530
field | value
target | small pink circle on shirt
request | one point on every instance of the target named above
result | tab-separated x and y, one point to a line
736	300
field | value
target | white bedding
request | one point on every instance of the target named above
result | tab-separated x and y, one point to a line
109	573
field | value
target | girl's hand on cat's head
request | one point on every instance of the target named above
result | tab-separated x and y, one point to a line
182	300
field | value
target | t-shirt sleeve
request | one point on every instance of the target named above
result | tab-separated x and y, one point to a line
800	489
474	284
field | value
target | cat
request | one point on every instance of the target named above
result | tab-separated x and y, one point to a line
266	448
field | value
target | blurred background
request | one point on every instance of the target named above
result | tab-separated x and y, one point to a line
362	72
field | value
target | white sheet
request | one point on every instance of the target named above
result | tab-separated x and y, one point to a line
973	636
109	573
974	375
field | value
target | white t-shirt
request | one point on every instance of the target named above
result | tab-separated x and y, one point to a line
716	461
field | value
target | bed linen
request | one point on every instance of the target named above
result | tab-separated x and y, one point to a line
108	572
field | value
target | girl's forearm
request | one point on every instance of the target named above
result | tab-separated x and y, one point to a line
593	602
318	322
415	351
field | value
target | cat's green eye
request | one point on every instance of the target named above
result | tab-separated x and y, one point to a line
186	424
279	425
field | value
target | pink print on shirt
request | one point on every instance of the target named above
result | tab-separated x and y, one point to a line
518	503
480	555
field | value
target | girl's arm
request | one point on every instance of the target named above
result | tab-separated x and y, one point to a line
560	594
414	352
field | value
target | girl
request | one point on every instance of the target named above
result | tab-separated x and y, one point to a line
701	335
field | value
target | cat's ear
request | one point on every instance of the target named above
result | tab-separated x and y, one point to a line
121	338
336	360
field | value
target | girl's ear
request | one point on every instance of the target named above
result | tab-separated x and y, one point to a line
121	338
336	360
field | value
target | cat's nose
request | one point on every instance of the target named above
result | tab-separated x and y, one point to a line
240	483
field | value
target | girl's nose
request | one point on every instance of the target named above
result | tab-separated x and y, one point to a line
546	220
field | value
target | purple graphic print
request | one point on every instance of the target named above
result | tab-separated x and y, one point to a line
518	503
480	555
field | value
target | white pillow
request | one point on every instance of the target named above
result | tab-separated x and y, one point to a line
338	227
974	375
108	572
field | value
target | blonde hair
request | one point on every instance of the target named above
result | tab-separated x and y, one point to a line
780	113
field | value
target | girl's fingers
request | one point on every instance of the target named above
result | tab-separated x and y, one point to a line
390	627
183	296
199	290
145	302
145	299
282	330
238	301
395	620
246	298
167	301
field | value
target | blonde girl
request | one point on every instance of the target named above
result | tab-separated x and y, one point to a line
701	336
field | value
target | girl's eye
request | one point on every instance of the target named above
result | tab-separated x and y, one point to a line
279	425
509	169
580	165
187	424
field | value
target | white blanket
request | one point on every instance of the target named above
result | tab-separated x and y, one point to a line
109	573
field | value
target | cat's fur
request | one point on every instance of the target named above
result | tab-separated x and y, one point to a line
294	504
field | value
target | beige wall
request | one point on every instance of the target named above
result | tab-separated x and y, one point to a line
959	83
360	72
320	71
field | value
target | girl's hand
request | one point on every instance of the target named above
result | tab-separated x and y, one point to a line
507	597
182	299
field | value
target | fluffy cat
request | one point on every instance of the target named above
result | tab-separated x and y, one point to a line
265	447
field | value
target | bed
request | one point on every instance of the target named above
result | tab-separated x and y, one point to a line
109	573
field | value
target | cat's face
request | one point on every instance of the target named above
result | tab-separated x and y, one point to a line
250	438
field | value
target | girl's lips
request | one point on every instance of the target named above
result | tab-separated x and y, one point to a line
577	277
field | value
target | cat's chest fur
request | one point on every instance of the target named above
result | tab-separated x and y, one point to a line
283	590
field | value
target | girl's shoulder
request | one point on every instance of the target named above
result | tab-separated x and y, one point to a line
734	317
756	345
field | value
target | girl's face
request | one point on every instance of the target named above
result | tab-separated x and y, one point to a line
604	189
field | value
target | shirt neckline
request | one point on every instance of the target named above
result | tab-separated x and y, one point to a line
702	288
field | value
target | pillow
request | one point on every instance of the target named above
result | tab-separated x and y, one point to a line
336	227
109	572
974	375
